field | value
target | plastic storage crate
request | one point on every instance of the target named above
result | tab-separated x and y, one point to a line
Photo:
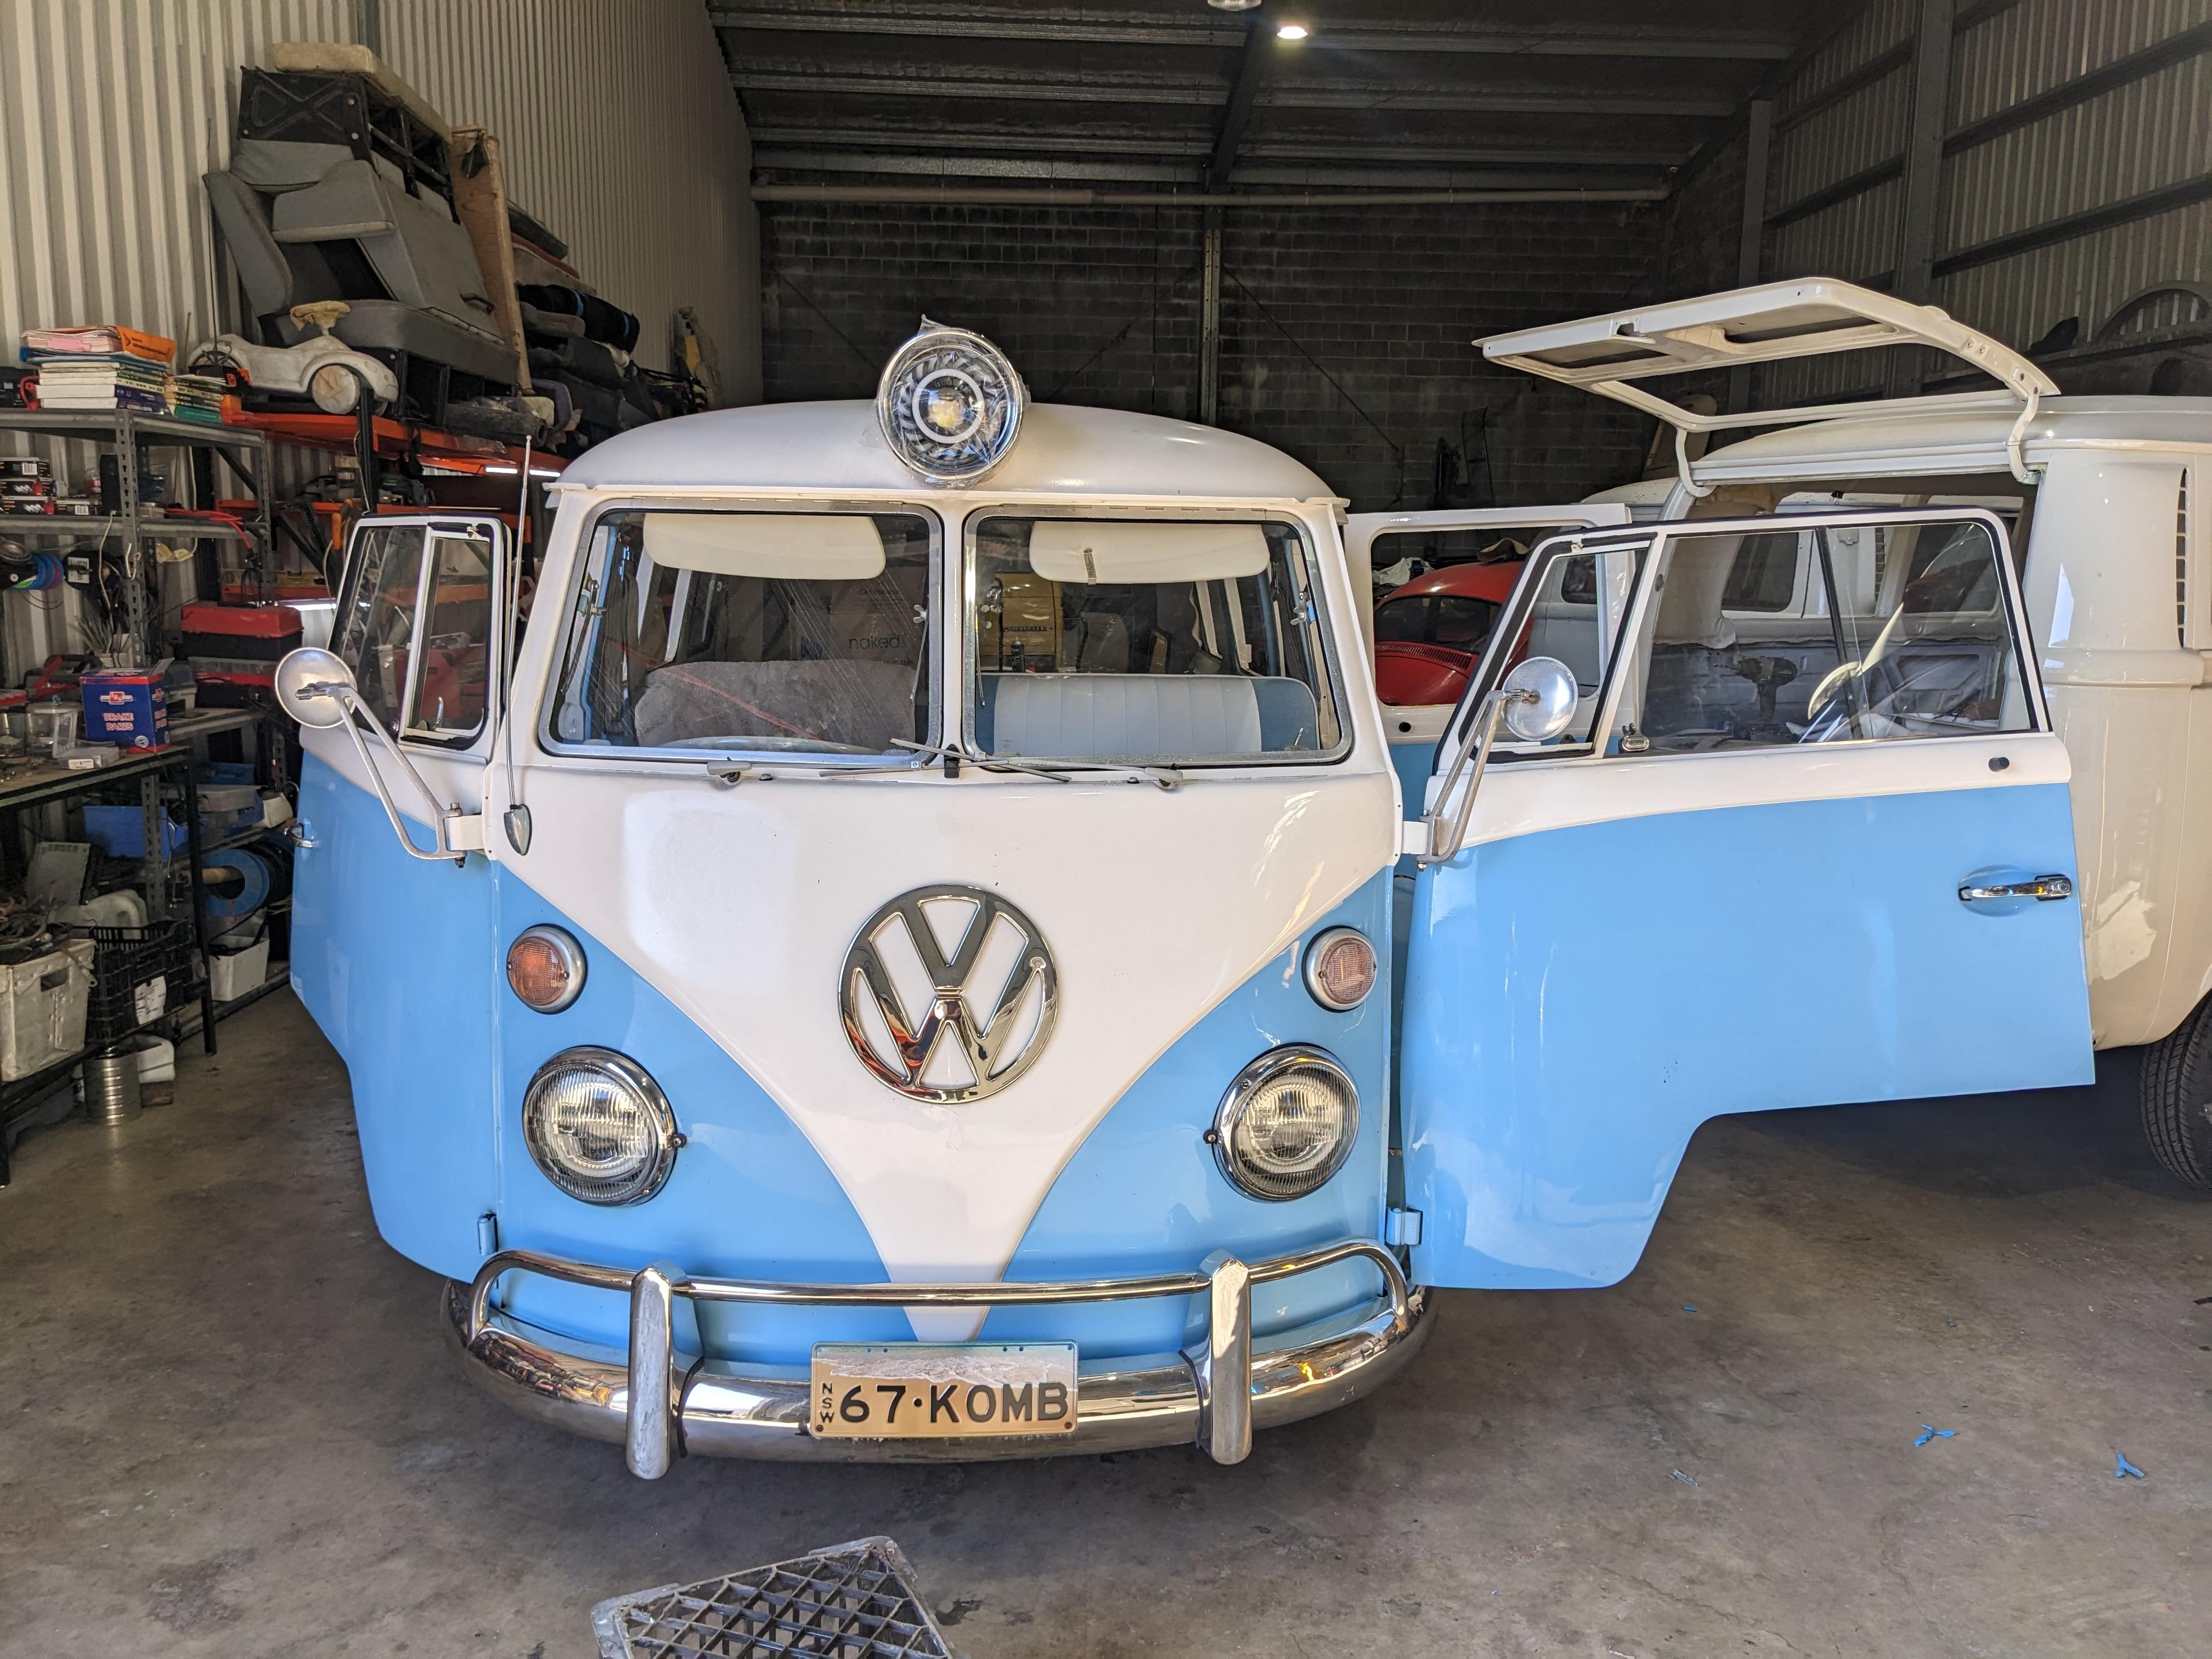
42	1008
138	974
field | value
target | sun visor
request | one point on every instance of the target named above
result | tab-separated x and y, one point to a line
1129	550
794	546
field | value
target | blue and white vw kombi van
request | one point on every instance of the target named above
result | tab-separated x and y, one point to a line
918	948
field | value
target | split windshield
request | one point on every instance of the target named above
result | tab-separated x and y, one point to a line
1096	640
750	631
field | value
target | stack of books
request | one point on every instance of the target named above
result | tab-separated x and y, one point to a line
102	368
199	398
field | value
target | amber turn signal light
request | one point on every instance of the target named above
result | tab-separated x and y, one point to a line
545	966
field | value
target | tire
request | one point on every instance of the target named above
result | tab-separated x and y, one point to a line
2177	1099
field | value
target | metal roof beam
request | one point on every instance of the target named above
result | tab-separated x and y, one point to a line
1095	24
1236	115
1100	89
952	169
1192	146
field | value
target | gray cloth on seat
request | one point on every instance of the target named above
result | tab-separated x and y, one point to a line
866	704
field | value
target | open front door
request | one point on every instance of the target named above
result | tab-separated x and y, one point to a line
1806	842
1433	639
395	955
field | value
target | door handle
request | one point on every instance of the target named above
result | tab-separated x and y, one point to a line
2044	887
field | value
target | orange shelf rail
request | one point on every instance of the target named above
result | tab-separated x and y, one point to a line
395	441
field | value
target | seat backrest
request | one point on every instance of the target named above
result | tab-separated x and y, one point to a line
1100	714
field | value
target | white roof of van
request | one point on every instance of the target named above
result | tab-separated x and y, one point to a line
1063	450
1898	441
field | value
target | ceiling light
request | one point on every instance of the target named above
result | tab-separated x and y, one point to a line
1232	5
1291	31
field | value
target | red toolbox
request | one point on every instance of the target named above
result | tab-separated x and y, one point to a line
235	650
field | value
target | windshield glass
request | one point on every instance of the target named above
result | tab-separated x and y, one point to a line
750	631
1118	639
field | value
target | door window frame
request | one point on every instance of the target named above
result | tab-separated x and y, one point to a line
498	645
1655	540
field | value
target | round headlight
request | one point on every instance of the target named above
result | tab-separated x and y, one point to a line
949	405
545	966
1286	1124
599	1126
1340	968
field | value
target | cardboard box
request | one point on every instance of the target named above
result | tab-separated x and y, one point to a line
126	706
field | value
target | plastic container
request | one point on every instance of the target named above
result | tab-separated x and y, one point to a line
157	1060
110	1087
240	973
120	831
137	975
54	726
42	1008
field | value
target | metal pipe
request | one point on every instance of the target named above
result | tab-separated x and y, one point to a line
976	196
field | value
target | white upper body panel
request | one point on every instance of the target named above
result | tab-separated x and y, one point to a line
801	449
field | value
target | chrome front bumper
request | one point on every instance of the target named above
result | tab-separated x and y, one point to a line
661	1405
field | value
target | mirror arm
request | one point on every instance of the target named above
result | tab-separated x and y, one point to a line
439	812
1475	747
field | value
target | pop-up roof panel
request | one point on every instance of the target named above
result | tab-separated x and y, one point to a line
1765	323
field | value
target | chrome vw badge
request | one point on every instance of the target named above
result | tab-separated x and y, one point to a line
948	994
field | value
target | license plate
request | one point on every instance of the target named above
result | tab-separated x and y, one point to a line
917	1390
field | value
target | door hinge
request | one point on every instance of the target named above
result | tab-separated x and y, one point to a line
1402	1227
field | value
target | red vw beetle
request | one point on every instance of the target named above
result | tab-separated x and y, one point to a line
1429	634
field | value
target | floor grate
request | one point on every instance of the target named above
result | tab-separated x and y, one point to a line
853	1601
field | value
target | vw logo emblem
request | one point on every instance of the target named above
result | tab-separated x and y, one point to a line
948	994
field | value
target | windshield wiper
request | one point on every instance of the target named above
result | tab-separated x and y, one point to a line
954	757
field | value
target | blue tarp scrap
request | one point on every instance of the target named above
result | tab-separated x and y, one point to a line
1928	1431
2122	1468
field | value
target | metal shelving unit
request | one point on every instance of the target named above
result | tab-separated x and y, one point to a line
130	435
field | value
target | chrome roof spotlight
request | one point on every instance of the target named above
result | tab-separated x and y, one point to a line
949	405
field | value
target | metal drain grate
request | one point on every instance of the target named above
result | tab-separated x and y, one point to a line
853	1601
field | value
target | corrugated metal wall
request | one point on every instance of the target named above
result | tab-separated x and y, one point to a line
2152	133
110	111
616	122
620	133
616	118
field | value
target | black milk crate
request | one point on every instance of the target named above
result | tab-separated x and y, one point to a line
127	959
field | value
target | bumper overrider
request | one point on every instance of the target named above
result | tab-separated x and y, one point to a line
662	1404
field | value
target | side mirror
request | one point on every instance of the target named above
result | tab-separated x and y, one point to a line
315	687
1535	702
1539	695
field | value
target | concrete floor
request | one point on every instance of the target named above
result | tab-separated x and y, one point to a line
231	1426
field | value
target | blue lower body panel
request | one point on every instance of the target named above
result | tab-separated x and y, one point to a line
1579	1001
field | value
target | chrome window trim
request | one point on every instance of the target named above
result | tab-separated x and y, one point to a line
796	762
501	653
2015	612
491	532
1305	576
1656	536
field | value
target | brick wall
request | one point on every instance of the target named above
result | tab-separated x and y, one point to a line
1345	334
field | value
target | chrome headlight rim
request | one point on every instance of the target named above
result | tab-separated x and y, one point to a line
636	1188
571	953
1238	1098
1316	948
